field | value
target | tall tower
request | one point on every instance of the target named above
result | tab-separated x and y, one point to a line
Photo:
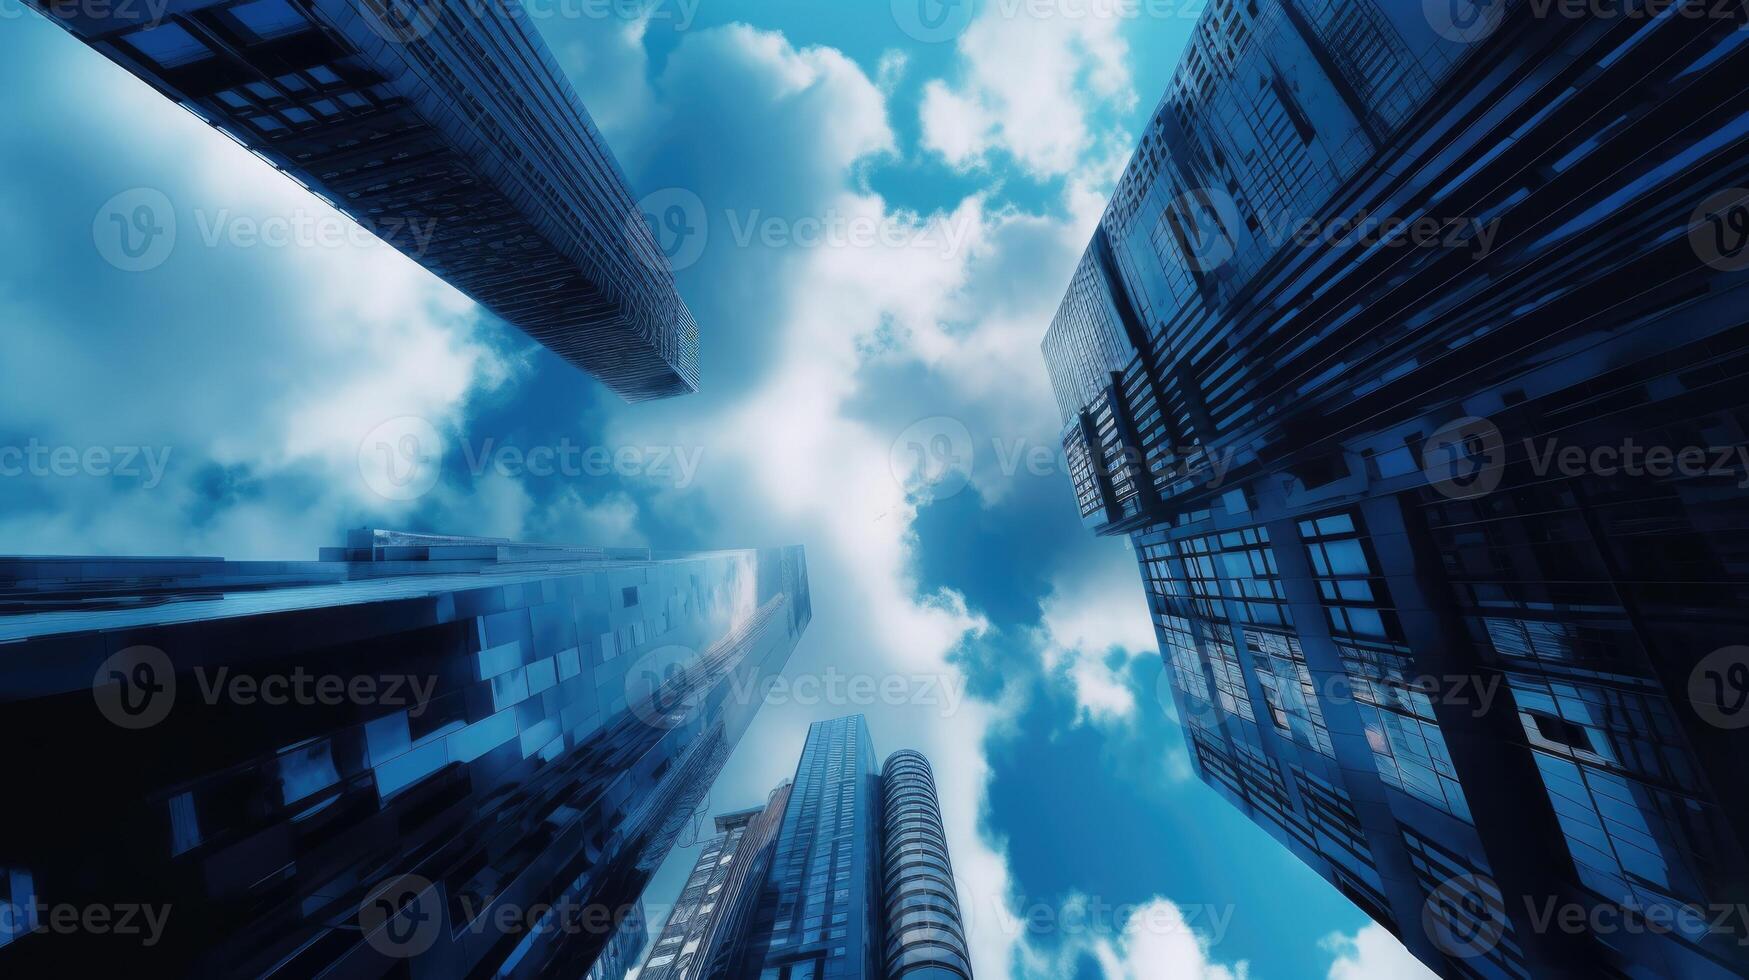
818	916
420	756
858	884
1383	356
448	131
699	938
925	935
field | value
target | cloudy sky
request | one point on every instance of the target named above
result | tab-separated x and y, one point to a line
881	219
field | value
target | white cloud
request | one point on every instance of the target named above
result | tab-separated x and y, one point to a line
262	368
1373	954
1095	623
1028	88
1158	941
891	70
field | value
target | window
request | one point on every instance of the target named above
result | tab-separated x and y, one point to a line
268	19
169	45
629	596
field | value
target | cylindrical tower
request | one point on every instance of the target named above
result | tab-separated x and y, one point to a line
925	937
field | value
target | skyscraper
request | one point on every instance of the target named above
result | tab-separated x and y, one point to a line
718	896
447	130
421	755
1366	357
852	879
818	915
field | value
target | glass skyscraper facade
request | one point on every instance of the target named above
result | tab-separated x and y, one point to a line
818	916
849	878
699	938
1358	359
447	130
419	756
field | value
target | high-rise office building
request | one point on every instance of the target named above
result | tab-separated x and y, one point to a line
447	130
718	896
851	878
418	756
1385	355
818	915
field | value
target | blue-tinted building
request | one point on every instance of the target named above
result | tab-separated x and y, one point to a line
1358	359
844	874
417	757
623	950
714	907
925	936
447	130
818	916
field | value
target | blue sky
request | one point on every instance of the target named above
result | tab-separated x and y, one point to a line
256	365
